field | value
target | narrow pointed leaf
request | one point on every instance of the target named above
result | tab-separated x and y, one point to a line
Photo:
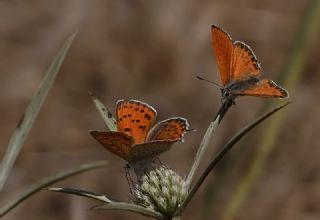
105	113
84	193
131	208
30	114
48	181
225	149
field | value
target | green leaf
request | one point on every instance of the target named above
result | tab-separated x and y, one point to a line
105	113
109	203
48	181
131	208
225	149
30	114
81	192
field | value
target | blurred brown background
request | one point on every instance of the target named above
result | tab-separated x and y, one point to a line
151	51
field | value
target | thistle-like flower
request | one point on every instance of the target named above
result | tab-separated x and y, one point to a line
161	190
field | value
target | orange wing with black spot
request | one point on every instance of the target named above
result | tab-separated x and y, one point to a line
117	143
135	119
265	88
223	47
170	129
149	150
244	63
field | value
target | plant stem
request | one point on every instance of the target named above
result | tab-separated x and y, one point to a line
207	137
228	102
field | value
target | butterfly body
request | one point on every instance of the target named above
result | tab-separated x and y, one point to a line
235	88
240	70
134	140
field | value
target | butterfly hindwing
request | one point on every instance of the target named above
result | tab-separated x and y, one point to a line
170	129
223	47
244	64
149	149
264	88
135	119
117	143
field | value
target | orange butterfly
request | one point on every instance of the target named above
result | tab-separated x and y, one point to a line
134	140
239	69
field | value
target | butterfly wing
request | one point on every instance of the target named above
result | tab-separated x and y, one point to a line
170	129
117	143
244	64
148	150
223	49
264	88
135	119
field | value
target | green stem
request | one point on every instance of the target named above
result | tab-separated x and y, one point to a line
207	137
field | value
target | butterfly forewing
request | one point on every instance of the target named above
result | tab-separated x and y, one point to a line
135	119
149	149
244	64
222	45
264	88
170	129
117	143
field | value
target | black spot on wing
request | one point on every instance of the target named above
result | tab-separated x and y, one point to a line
147	116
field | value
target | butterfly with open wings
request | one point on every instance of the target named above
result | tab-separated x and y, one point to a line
239	69
134	140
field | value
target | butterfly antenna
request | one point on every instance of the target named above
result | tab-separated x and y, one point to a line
214	83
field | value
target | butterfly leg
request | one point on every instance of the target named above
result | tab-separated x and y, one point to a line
162	164
127	169
233	102
159	161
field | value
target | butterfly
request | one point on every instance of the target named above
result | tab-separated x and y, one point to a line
135	140
239	69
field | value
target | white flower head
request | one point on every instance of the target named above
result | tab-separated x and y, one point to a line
162	190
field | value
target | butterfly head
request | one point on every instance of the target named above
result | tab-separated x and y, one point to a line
225	92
